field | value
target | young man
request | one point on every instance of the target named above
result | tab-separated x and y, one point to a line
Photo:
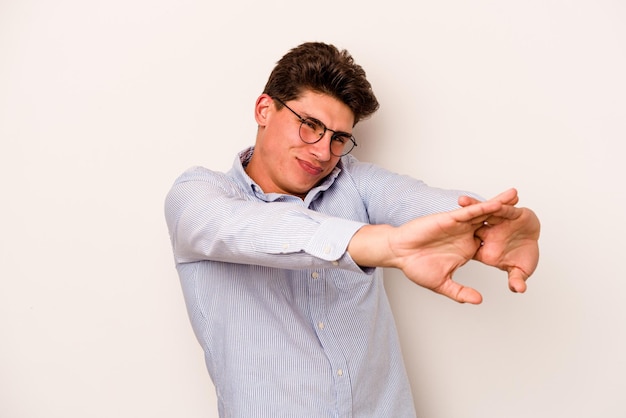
278	257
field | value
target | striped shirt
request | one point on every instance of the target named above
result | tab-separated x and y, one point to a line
289	324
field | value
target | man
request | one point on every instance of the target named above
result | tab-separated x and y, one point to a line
278	257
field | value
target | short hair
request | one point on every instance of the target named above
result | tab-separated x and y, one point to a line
322	68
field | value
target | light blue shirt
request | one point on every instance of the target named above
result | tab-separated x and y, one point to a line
289	324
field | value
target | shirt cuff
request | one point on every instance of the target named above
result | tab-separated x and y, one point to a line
331	239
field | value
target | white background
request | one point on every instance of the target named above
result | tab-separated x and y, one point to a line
104	103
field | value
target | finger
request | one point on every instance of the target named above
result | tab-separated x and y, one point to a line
505	213
481	222
493	220
517	280
479	234
467	200
478	213
508	197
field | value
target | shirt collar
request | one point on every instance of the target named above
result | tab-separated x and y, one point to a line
239	173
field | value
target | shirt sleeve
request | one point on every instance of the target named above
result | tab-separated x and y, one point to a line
395	199
209	217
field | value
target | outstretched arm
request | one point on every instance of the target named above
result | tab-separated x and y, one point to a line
210	217
429	249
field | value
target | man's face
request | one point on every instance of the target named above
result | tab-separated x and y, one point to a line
281	162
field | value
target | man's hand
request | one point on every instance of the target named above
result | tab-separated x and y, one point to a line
428	250
510	240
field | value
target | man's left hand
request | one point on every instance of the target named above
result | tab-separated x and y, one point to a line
509	243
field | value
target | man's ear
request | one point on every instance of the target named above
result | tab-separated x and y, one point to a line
263	109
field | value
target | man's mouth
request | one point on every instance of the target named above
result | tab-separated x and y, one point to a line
312	169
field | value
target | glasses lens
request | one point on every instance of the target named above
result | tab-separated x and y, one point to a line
311	131
341	145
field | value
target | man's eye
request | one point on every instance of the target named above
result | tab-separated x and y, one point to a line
341	138
314	126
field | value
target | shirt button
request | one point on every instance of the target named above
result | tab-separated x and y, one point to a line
327	250
335	263
285	246
339	372
320	325
315	275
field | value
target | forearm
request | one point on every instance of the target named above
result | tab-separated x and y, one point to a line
209	222
369	246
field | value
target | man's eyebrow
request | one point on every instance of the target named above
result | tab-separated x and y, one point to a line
305	115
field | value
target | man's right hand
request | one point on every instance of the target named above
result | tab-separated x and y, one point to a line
428	250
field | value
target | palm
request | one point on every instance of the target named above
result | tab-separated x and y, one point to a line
430	249
512	245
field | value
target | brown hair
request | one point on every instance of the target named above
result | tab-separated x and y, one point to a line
324	69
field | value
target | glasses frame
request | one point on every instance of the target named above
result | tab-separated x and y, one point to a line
333	137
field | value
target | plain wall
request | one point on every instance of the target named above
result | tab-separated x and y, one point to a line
104	103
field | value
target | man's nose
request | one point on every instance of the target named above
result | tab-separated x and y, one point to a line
321	149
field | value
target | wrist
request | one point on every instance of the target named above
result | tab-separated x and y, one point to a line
369	246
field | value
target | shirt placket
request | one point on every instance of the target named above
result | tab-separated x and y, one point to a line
326	334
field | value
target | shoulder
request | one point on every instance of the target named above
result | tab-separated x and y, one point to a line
205	175
349	164
198	179
364	171
198	173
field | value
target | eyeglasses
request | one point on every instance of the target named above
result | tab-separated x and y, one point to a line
312	131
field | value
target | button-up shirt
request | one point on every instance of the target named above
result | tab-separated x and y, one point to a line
289	324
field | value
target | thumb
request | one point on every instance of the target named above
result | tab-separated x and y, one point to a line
517	280
459	293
